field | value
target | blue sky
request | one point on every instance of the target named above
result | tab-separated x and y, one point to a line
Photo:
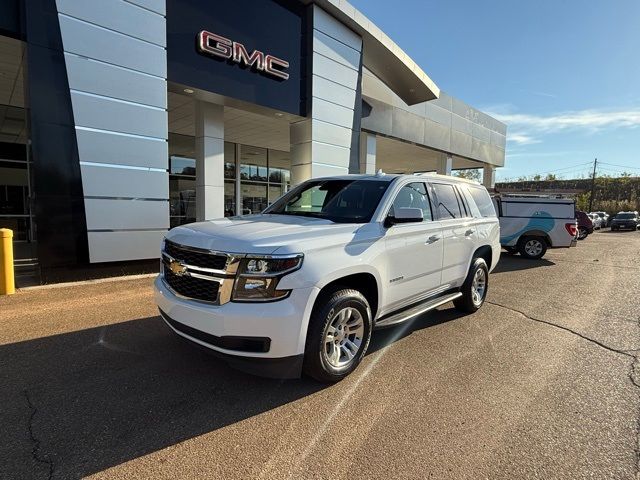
563	74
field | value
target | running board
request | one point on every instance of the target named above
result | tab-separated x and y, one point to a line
416	310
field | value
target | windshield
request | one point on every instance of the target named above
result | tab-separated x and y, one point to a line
344	201
625	216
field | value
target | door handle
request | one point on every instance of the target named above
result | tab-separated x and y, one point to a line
433	239
468	232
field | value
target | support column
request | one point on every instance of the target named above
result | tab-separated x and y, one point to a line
209	161
325	143
444	165
489	177
367	153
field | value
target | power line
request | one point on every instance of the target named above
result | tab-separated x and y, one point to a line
621	166
558	169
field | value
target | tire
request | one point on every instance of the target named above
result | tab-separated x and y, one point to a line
472	298
329	361
532	248
582	233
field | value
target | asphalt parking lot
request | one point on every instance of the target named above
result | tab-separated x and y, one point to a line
541	383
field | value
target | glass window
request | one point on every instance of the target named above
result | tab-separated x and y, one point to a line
254	197
229	160
253	163
182	145
448	206
182	166
229	198
483	201
182	200
347	201
413	195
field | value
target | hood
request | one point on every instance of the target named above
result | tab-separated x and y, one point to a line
264	234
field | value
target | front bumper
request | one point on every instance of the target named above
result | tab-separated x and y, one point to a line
272	330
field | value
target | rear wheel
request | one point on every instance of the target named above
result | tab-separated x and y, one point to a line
532	247
582	233
475	287
338	335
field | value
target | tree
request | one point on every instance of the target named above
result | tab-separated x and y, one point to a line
550	177
469	174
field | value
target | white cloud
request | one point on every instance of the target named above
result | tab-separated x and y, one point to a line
527	128
521	138
583	119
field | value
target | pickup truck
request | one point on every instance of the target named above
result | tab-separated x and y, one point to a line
299	287
531	224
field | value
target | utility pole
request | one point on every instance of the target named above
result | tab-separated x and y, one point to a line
593	185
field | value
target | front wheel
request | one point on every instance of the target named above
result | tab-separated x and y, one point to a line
532	247
475	287
338	335
582	233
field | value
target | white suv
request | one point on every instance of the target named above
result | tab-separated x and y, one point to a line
301	286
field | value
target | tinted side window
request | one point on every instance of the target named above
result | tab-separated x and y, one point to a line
483	201
448	206
413	195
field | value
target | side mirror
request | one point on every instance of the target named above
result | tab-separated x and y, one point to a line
404	215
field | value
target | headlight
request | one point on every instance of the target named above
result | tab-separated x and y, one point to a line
258	277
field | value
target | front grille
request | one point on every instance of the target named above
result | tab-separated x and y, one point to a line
192	287
195	258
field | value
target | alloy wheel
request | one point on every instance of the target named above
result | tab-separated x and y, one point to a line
533	247
479	286
343	337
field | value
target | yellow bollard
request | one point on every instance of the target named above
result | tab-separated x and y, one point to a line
7	282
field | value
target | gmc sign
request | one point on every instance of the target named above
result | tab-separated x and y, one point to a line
221	47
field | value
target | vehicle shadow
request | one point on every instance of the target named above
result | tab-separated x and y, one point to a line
85	401
514	263
387	336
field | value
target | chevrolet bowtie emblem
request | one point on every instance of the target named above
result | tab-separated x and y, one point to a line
177	268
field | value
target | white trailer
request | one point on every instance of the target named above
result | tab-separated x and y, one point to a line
532	224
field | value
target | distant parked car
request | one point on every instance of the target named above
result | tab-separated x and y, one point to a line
606	220
585	225
595	220
625	220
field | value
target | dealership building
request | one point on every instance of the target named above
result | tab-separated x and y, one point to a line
120	119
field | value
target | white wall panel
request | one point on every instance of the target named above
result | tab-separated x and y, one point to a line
328	90
108	147
332	113
327	68
158	6
328	25
331	134
91	41
120	16
100	181
118	116
120	246
107	214
333	49
320	170
100	78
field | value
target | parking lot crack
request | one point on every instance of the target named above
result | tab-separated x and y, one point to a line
566	329
35	451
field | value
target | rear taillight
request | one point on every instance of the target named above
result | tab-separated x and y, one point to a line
571	228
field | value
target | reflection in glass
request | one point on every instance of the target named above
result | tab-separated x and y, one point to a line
253	164
254	197
229	199
229	160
